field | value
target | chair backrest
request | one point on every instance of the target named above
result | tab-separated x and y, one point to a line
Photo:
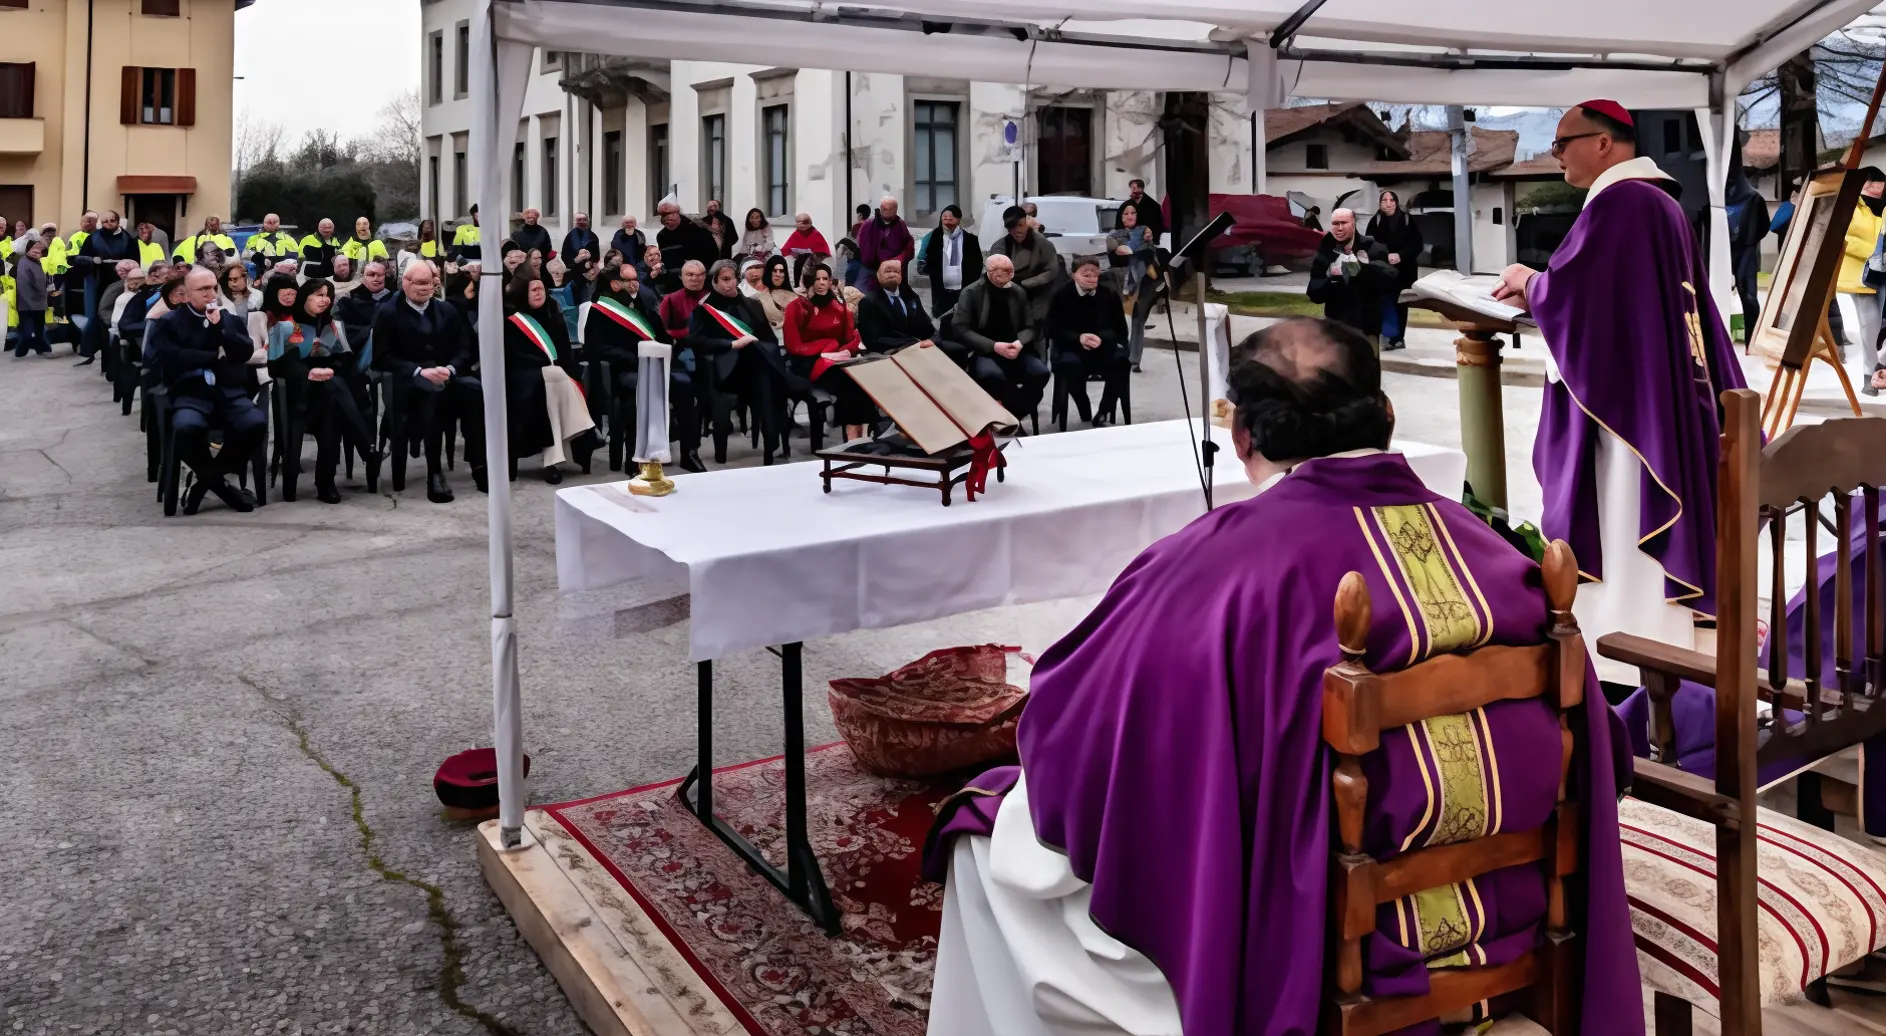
1358	706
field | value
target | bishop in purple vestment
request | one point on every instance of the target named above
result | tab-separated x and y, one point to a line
1158	862
1627	442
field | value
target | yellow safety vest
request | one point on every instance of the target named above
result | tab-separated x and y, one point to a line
279	245
186	249
467	234
428	249
13	310
76	242
6	246
55	263
149	252
361	251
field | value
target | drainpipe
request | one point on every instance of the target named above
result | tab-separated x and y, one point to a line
85	184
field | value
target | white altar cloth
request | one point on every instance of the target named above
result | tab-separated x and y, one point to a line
768	558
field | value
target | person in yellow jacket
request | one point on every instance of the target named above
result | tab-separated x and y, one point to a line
87	224
429	240
467	240
149	250
55	261
318	251
272	244
1859	304
212	231
362	248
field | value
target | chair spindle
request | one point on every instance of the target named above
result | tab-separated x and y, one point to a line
1777	600
1843	596
1811	629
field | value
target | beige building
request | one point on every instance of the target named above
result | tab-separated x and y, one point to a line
116	104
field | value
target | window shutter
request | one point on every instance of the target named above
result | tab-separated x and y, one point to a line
186	97
128	95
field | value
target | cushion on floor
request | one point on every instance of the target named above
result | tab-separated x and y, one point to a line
1822	902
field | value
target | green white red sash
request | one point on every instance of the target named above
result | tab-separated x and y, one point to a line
535	332
629	318
733	325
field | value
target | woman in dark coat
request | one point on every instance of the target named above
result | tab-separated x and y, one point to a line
311	358
1395	229
536	339
732	331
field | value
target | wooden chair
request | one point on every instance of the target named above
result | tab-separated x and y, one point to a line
1829	711
1358	706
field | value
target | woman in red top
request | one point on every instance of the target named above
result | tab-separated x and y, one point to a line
819	332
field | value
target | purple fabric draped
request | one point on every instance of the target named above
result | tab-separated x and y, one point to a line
1174	751
1625	309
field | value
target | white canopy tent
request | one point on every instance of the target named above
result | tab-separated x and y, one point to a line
1696	54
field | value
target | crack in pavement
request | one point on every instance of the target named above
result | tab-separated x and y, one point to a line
451	972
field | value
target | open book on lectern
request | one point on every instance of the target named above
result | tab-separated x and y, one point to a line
1474	294
935	404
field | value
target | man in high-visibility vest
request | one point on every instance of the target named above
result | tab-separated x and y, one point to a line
363	248
272	244
318	251
150	250
467	240
212	232
88	223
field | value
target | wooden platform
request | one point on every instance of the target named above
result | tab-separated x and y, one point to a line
625	978
621	974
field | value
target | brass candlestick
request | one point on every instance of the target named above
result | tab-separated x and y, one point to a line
651	482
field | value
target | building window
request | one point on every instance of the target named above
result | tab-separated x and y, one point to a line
432	183
517	178
775	123
17	5
613	173
16	90
1499	215
553	60
164	8
459	189
435	67
158	97
935	124
1066	151
1316	156
714	158
461	84
550	176
657	164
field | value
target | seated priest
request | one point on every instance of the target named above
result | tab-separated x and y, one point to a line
623	317
549	417
993	317
1159	861
1087	339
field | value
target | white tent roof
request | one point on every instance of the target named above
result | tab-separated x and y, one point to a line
1663	53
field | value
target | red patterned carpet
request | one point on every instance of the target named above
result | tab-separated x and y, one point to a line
766	960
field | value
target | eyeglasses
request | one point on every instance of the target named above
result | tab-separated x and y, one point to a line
1558	143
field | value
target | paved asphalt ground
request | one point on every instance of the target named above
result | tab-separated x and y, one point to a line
217	733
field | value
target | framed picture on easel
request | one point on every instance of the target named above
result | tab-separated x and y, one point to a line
1792	330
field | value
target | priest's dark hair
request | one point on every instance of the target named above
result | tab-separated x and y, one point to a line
1621	132
1308	388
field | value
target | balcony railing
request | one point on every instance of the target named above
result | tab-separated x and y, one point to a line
608	81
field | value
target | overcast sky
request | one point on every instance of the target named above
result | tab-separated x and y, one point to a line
325	64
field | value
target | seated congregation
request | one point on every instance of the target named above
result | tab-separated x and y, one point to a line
1406	804
380	367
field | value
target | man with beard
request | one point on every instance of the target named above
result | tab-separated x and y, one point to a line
624	316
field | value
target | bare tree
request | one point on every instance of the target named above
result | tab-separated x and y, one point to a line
397	137
258	141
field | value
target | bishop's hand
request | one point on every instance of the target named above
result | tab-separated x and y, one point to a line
1513	284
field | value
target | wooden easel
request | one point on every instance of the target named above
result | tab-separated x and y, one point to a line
1790	383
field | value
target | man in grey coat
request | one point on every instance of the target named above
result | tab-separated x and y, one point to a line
1008	354
1037	264
32	292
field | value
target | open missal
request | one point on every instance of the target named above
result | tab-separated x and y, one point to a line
1474	294
934	403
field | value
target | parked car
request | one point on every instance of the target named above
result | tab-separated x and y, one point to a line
1265	232
1076	225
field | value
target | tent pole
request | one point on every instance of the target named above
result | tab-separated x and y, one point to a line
507	721
1463	191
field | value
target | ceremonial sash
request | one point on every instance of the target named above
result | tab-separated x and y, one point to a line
733	325
627	317
535	332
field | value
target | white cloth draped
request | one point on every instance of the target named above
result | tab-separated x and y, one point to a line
569	412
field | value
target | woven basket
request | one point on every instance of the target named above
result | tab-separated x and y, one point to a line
950	710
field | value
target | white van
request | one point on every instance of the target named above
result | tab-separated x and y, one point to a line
1076	225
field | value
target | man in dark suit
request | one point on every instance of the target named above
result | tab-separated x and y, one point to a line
201	356
681	241
534	237
892	317
614	337
422	345
952	258
1087	336
582	252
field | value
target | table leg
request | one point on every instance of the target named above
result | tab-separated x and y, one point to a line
802	881
1482	415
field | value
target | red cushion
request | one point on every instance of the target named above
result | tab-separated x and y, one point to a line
469	780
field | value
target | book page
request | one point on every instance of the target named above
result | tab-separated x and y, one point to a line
973	409
1472	293
911	407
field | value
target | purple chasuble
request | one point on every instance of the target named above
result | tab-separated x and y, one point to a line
1174	752
1625	309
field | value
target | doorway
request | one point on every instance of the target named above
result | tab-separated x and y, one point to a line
1066	149
159	210
16	203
